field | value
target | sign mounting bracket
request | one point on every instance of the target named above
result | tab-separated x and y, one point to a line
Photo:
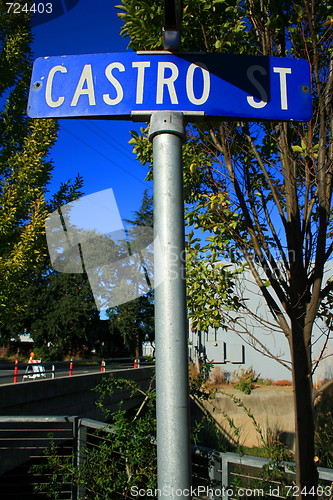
173	10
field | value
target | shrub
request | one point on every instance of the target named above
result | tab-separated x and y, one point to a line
244	380
324	427
283	383
264	381
120	461
193	371
218	377
46	353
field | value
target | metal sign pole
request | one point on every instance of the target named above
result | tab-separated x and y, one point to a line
172	389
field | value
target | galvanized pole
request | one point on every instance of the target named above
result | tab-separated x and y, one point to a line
172	390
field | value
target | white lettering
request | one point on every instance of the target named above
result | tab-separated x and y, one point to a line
189	83
169	82
48	92
141	65
120	93
85	79
283	85
263	94
134	491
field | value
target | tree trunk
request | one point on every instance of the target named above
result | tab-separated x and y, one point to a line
306	470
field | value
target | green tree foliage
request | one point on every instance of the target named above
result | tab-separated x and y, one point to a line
261	190
207	25
25	171
134	320
61	314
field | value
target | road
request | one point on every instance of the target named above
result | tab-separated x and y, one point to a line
61	369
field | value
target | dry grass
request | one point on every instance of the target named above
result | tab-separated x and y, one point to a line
218	377
193	371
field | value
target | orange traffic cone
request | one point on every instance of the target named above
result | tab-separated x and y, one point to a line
15	371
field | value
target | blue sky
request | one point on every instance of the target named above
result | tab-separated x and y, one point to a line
97	149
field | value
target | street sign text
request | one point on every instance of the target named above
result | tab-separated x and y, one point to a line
126	84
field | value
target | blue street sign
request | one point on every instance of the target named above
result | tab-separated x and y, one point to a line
131	85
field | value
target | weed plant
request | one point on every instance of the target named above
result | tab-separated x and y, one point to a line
244	380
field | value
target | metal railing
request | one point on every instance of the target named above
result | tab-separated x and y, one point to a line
216	475
232	475
23	441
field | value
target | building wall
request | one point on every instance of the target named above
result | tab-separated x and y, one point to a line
241	346
226	350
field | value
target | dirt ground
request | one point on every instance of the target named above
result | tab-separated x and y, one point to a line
272	409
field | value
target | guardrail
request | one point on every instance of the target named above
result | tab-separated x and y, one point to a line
232	475
216	475
19	372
